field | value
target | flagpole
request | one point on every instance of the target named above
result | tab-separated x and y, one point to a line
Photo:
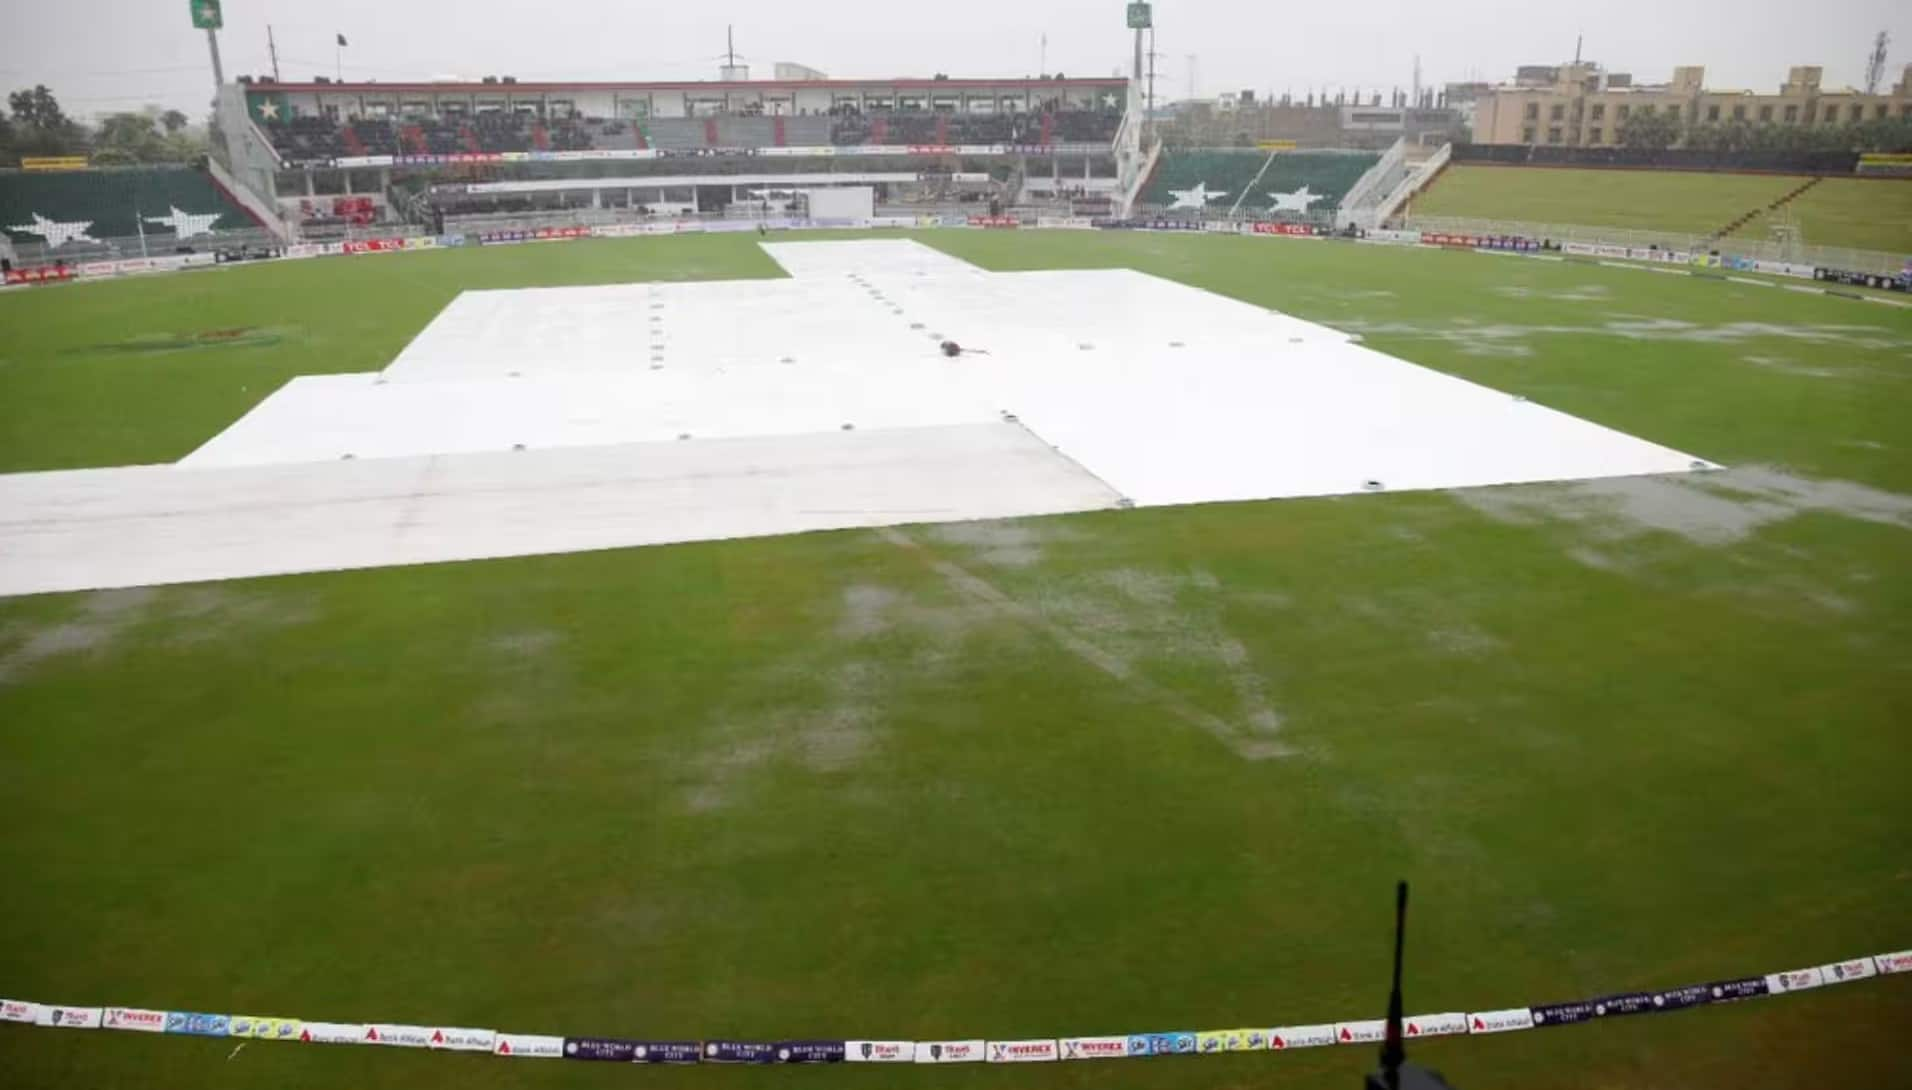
338	60
139	220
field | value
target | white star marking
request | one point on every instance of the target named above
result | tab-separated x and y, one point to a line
56	234
1195	198
269	109
1298	201
186	224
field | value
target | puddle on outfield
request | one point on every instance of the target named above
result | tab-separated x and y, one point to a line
147	344
1506	339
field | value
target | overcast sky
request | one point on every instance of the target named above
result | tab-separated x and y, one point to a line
104	55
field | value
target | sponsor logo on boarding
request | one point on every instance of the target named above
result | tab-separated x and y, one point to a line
666	1052
605	1049
1839	972
18	1010
397	1036
1614	1006
263	1029
995	221
1214	1040
40	274
740	1052
811	1052
461	1040
331	1033
1096	1048
198	1025
1673	999
1171	1044
69	1017
1293	230
950	1052
527	1046
880	1052
1247	1040
1020	1052
1505	1021
1434	1025
1725	991
1353	1033
1562	1014
140	1021
1286	1037
1900	962
1798	980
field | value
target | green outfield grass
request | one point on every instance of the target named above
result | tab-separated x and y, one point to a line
1873	214
1620	736
1864	213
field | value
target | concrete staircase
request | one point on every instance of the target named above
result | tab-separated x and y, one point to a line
1748	217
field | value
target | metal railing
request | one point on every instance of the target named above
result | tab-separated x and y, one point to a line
118	248
1830	257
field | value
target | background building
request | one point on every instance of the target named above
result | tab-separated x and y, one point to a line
1583	105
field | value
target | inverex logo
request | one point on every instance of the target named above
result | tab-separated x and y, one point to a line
1900	962
129	1018
1094	1048
1016	1052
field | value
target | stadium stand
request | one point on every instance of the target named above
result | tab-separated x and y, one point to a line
316	140
1327	175
174	201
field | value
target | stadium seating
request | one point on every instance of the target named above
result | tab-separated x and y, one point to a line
317	140
111	201
1326	174
1075	126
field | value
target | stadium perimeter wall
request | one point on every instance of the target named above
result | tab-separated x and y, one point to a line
1663	259
1686	159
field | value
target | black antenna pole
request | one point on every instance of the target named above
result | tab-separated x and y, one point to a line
1396	1073
1393	1051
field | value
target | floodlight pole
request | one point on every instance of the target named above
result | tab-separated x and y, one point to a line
218	72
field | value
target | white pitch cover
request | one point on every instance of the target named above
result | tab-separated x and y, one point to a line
1094	1048
555	420
462	1040
332	1033
18	1010
1039	1050
950	1052
1354	1033
1434	1025
879	1052
1505	1021
52	1014
131	1018
1798	980
1286	1037
528	1046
